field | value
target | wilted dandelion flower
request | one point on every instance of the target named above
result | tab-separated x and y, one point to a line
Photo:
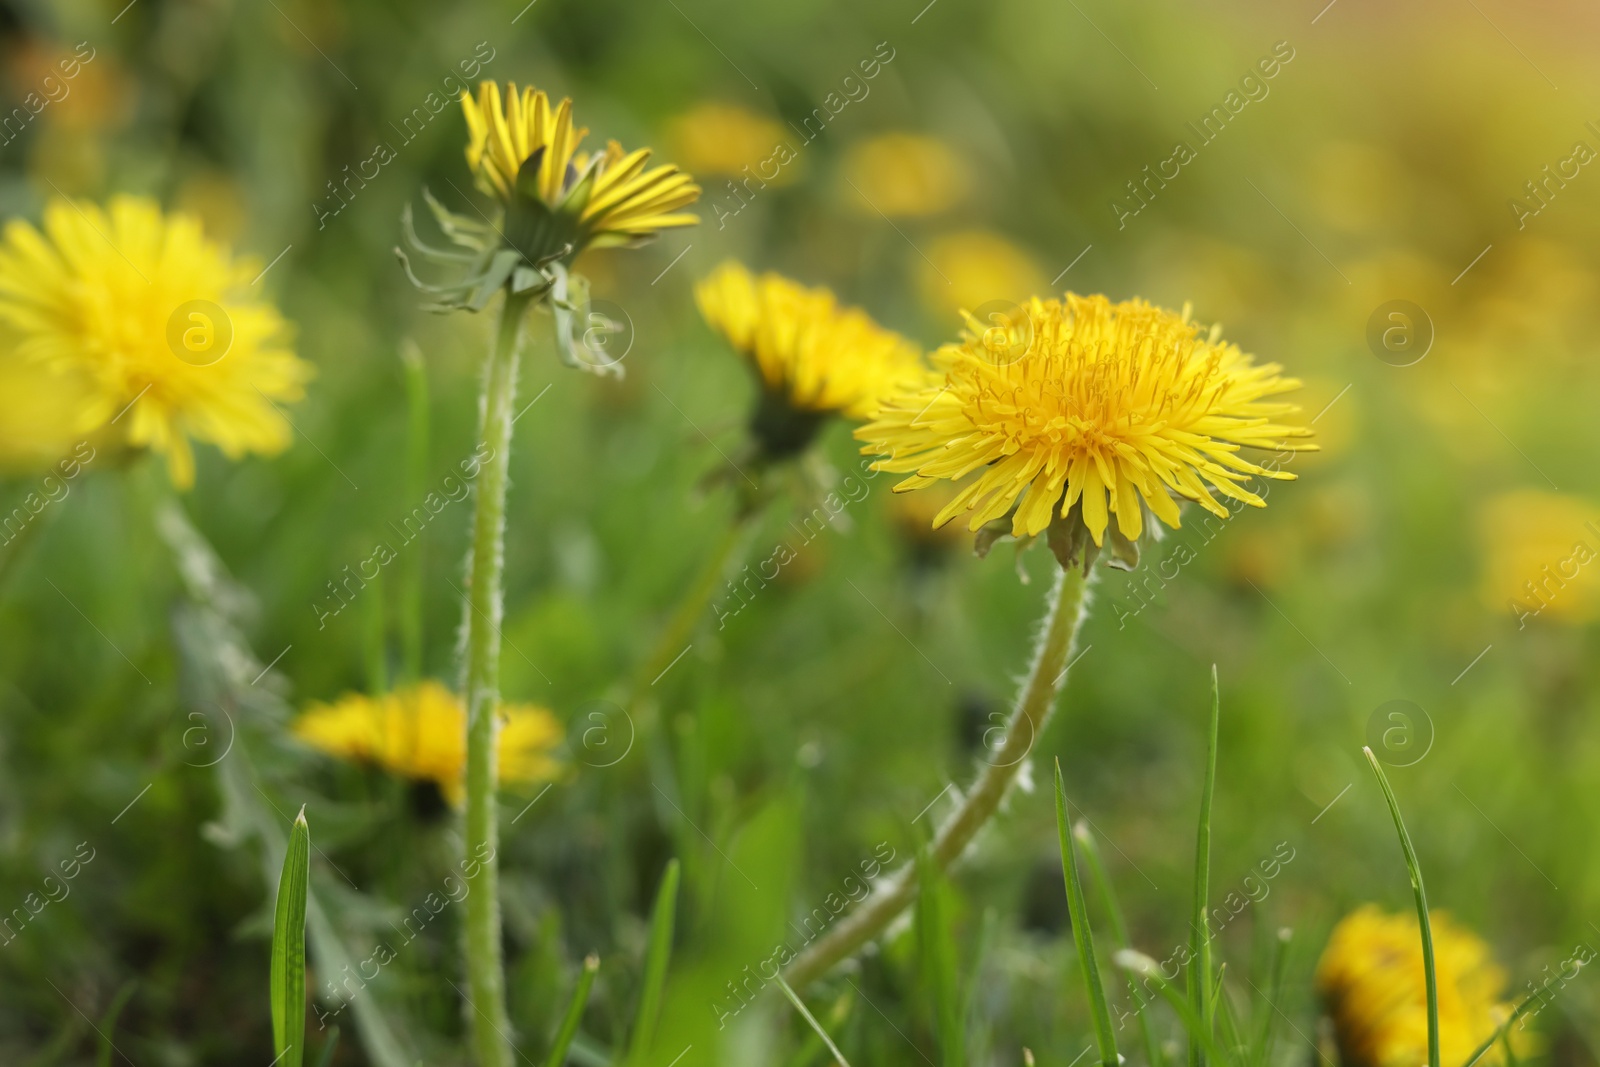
158	325
906	175
420	732
523	149
1371	983
814	357
1086	411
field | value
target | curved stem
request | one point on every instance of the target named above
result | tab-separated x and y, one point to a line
687	614
1067	607
490	1025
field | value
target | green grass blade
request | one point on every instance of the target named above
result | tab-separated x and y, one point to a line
1262	1051
1504	1029
569	1025
416	376
1102	883
1082	936
1415	870
1119	929
937	951
329	1047
1232	1032
1200	925
289	949
1146	968
108	1022
800	1007
662	920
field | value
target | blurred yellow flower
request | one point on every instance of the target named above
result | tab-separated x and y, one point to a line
1080	407
905	175
813	356
38	407
970	268
1371	983
157	321
1539	552
724	139
607	198
420	732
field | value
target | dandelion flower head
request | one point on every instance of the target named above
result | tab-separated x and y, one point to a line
160	328
520	146
420	732
1371	982
818	356
1088	407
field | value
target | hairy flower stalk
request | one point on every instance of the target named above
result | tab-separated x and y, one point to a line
481	630
1068	604
1078	419
553	200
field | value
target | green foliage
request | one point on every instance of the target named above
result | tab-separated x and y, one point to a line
289	948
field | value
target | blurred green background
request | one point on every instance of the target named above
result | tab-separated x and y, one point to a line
1375	164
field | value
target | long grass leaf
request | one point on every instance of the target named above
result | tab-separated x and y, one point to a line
1145	967
569	1024
1261	1053
289	949
1082	936
1200	925
329	1047
800	1007
416	379
108	1022
1119	929
1505	1028
662	920
1415	870
938	958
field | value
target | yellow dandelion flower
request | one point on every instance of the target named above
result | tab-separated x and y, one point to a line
906	175
524	147
420	732
1370	979
715	138
1539	555
813	356
1084	407
971	268
159	324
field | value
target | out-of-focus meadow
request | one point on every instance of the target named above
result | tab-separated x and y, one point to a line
1438	550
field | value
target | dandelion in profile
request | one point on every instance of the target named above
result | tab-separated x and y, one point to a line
419	732
551	201
813	357
555	201
1081	416
525	150
156	328
1370	979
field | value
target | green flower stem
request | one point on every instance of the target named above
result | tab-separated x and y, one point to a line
1068	606
491	1026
